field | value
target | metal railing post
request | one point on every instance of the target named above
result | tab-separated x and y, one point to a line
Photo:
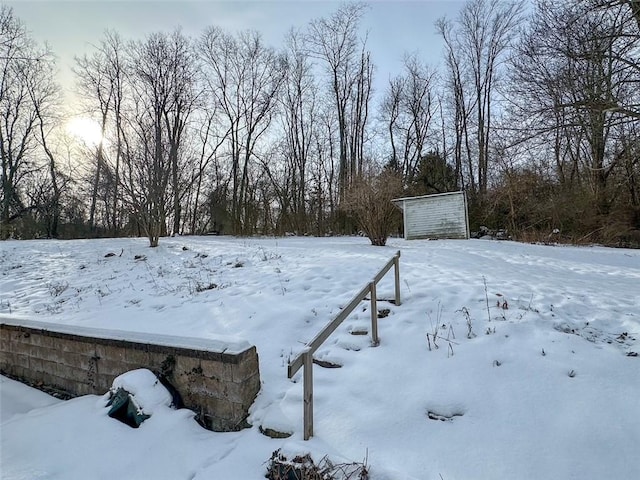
396	264
308	394
374	314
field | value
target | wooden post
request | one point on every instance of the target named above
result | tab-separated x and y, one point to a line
374	314
308	394
396	264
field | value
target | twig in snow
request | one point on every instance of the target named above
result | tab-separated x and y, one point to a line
486	297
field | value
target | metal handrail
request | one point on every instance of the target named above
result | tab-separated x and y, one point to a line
305	357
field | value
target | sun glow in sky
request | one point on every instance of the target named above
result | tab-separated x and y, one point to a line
85	130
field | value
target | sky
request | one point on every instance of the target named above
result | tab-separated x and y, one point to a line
71	27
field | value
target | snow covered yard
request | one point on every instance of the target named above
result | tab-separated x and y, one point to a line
534	375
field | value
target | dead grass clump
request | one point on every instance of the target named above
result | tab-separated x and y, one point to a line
302	467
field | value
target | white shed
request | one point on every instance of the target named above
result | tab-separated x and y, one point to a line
444	215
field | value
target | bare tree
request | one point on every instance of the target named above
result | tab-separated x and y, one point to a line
46	101
570	71
335	41
210	138
627	13
162	80
634	7
461	104
299	99
409	109
243	78
102	79
391	116
477	44
324	188
185	94
96	88
25	88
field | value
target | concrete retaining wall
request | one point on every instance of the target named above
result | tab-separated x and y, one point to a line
218	380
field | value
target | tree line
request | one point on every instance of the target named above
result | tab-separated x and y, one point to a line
535	113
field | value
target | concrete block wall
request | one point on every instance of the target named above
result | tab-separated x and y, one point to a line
217	380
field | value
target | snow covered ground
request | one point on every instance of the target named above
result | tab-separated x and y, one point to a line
534	376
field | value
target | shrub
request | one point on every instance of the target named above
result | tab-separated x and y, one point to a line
368	201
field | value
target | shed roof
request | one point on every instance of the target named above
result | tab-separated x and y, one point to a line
399	202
